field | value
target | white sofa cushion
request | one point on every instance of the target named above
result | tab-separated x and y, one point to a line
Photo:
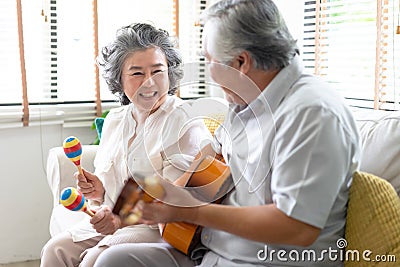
60	171
380	133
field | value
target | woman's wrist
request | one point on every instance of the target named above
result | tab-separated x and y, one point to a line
98	201
100	198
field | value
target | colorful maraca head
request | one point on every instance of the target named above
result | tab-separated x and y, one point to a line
73	149
73	199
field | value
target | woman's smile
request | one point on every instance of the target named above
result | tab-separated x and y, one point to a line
148	94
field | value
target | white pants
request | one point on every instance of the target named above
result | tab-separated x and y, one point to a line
143	254
61	251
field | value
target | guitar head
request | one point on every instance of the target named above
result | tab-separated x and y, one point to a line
131	193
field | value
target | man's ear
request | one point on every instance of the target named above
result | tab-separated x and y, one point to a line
244	62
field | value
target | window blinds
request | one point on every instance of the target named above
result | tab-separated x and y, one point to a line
194	82
391	55
352	44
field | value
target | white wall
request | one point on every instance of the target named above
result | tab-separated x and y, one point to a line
25	197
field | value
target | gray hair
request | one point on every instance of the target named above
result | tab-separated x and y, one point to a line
255	26
136	37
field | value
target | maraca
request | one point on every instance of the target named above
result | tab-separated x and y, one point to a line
73	151
73	199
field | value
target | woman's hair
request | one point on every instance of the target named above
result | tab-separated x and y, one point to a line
255	26
132	38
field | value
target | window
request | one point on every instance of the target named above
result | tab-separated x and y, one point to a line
354	46
59	47
10	85
193	84
111	18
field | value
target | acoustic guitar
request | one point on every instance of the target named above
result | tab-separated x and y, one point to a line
211	181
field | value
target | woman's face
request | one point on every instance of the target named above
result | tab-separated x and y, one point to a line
145	78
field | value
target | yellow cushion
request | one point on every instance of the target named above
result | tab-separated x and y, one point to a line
212	122
373	219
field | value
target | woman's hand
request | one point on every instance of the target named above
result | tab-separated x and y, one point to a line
105	222
90	186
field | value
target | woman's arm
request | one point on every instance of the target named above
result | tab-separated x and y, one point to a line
178	157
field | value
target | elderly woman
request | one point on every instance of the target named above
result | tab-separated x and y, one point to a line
150	133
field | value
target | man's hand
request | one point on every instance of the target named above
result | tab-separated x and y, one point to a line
90	186
157	212
105	222
176	204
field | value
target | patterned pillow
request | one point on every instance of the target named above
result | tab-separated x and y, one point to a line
213	122
373	220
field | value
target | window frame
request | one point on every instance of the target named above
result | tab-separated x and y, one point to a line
55	110
383	88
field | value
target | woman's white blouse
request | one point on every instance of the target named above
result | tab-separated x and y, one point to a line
165	144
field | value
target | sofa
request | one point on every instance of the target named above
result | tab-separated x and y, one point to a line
380	132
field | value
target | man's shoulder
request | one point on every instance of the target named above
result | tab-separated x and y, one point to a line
310	92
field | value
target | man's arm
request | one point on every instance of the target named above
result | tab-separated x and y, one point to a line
264	223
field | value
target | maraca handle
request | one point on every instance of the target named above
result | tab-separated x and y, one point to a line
79	169
89	212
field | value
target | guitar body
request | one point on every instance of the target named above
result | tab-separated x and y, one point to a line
210	180
183	236
212	177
